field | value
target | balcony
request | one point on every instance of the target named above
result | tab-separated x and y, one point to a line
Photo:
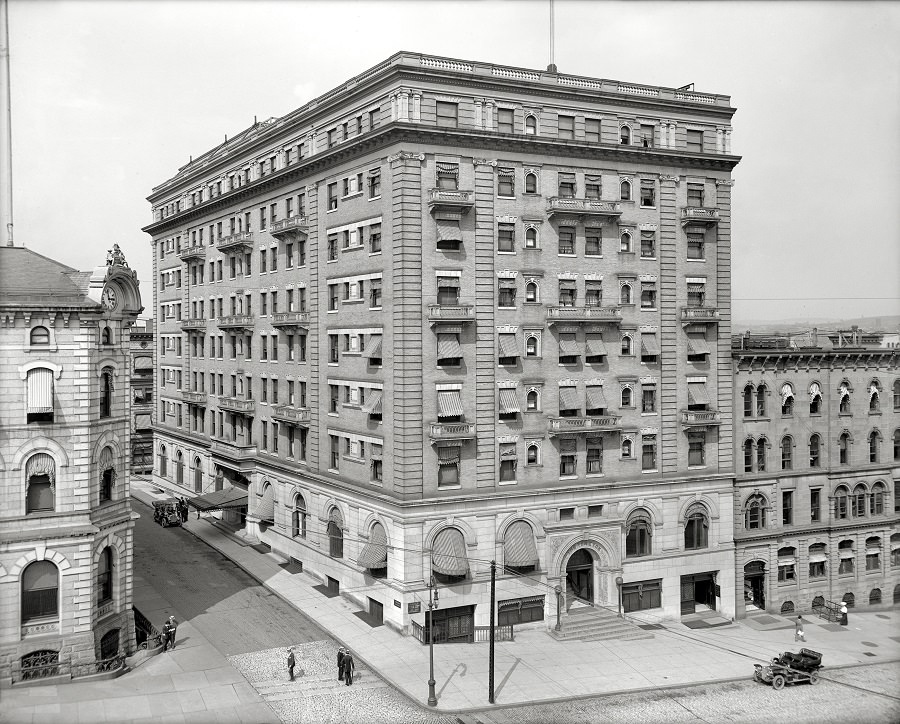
452	313
442	431
699	216
238	452
610	315
447	200
193	398
193	253
700	418
234	242
193	323
583	208
575	425
235	404
235	321
291	414
293	226
290	319
699	315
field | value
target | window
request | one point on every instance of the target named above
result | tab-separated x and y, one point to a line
787	400
648	295
566	127
333	349
40	591
846	554
593	242
625	136
530	183
641	596
787	507
506	182
874	444
40	395
696	528
567	449
697	448
592	184
505	120
625	294
787	568
695	195
298	518
748	455
592	130
506	237
532	347
648	452
531	293
695	140
787	453
530	126
107	480
817	559
815	399
533	455
638	534
508	462
873	553
594	456
627	448
647	135
625	191
448	466
446	114
648	402
844	407
748	401
332	196
695	246
755	512
41	336
876	499
858	501
844	448
449	353
815	450
648	193
506	293
648	244
567	241
627	348
897	444
625	243
568	348
106	390
815	497
448	291
566	185
40	474
105	577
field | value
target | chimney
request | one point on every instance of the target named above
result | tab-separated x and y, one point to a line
815	337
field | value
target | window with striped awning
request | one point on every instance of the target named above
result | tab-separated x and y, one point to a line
449	455
447	169
265	509
448	230
697	344
568	345
508	346
519	548
40	390
649	345
448	553
509	402
594	398
448	346
594	346
373	402
41	464
449	404
374	553
568	398
373	350
697	394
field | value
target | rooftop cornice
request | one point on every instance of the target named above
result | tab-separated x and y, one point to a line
816	358
396	132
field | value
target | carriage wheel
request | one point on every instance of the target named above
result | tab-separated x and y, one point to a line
814	678
778	682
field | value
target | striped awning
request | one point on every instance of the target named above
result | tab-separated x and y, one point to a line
568	398
846	553
265	509
448	554
447	169
449	403
374	348
230	497
508	346
649	345
448	230
40	390
41	464
142	421
508	401
143	363
568	346
374	553
697	393
697	344
372	405
449	455
594	347
817	558
448	346
518	547
595	398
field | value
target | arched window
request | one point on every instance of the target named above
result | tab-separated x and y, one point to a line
625	242
625	136
748	455
876	499
844	392
531	291
531	347
298	517
105	577
815	399
627	449
815	451
761	401
755	512
897	394
875	597
627	345
787	607
874	400
336	534
748	401
530	125
40	591
106	390
787	564
40	482
844	448
841	494
762	446
625	294
179	467
530	184
39	336
874	444
533	455
787	453
39	382
638	533
532	401
163	462
625	191
198	476
449	562
696	528
787	399
849	599
106	337
627	397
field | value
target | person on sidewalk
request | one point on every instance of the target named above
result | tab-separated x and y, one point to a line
340	663
184	510
349	666
798	630
172	625
291	663
843	613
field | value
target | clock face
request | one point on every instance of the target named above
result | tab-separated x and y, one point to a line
110	299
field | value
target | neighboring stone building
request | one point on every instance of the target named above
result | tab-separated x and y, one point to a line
66	532
453	312
142	407
817	445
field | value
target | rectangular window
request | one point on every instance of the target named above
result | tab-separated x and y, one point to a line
506	237
448	466
697	449
817	569
374	184
648	193
593	242
505	120
786	572
506	182
332	196
695	246
508	462
594	462
695	195
592	130
566	241
506	293
814	505
566	186
566	127
648	400
648	452
648	295
447	176
696	294
695	141
592	187
787	507
646	135
648	244
446	114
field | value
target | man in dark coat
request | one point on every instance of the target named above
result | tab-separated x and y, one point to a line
291	663
349	666
340	663
184	510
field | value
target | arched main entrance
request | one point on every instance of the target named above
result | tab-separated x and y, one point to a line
586	573
755	585
580	576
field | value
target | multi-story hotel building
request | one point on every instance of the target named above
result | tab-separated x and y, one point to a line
454	312
817	444
65	511
142	347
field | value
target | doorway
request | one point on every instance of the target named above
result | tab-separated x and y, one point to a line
698	591
755	585
452	625
580	576
376	612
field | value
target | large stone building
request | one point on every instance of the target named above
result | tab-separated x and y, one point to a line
453	312
817	444
65	512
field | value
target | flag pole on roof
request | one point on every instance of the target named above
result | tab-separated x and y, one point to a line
552	67
6	194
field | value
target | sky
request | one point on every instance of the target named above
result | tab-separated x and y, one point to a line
110	97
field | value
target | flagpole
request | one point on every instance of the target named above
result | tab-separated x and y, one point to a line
6	193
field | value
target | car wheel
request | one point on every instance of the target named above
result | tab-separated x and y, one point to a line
778	682
814	678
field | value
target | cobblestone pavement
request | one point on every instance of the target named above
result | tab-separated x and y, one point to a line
317	696
865	694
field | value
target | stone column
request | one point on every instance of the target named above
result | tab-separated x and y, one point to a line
417	107
479	121
403	113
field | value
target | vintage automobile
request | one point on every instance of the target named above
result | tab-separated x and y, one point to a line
165	512
790	669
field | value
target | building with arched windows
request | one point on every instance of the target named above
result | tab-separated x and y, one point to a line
65	427
817	450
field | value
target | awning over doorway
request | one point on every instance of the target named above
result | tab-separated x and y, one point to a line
226	499
448	554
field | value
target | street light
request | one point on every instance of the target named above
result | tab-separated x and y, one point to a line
432	604
619	582
558	591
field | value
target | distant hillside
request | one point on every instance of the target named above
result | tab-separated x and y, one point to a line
883	323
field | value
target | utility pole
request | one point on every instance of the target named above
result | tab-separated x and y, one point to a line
6	194
491	655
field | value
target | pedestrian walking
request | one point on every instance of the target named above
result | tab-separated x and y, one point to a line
169	628
843	613
183	508
340	663
798	630
291	663
349	666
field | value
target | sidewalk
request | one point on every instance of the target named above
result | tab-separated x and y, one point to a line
538	668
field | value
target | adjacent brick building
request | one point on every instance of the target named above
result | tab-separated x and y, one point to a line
453	312
66	540
142	385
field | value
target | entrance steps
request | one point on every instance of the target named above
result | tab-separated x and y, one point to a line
589	623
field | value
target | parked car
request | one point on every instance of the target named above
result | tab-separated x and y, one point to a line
165	512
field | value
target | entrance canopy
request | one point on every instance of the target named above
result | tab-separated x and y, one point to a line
226	499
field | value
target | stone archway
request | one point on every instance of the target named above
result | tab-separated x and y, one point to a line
586	572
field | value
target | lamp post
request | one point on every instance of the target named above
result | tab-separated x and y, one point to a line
432	604
558	592
619	582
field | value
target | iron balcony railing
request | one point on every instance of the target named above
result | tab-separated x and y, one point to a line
584	314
